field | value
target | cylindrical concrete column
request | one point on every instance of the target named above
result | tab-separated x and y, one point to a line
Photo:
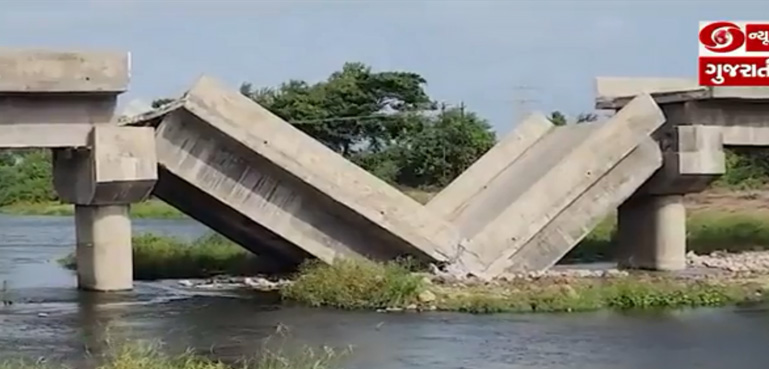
104	257
652	233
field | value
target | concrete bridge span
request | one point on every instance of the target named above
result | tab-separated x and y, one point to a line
231	164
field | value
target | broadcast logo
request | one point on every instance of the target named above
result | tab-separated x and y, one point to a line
734	53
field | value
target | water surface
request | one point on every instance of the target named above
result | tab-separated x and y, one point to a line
52	319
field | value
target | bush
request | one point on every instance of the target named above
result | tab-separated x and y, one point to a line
26	176
355	284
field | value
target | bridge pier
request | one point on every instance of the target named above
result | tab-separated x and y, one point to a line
652	233
103	251
65	102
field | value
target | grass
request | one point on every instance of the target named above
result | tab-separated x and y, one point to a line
142	355
148	209
707	231
368	285
355	284
160	257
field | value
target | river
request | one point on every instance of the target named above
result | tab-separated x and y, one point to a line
51	319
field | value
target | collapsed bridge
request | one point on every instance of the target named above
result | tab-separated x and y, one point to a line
229	163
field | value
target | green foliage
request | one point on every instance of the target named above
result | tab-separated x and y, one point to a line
25	176
355	284
557	118
161	257
745	169
382	121
444	148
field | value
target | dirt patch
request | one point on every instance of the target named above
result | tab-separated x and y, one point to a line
729	201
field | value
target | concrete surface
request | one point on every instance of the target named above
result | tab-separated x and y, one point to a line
615	92
651	233
103	251
296	196
473	182
45	71
563	180
570	226
119	166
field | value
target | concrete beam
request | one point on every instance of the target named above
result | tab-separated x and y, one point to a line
17	136
25	71
693	158
304	176
468	186
569	227
118	167
562	182
615	92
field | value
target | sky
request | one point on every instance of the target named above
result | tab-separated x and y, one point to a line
491	55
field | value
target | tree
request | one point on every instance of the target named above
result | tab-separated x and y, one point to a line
557	118
444	147
355	109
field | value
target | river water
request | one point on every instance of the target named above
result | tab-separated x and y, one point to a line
52	320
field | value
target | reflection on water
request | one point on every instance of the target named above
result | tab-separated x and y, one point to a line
56	321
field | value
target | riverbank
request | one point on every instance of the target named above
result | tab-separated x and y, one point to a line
154	209
716	280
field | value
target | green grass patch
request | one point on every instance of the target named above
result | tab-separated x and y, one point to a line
153	208
353	284
160	257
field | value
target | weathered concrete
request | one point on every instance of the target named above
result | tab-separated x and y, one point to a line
563	180
473	182
569	227
693	158
119	166
103	247
652	233
291	189
46	71
66	101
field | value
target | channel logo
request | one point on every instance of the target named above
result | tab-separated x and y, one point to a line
733	53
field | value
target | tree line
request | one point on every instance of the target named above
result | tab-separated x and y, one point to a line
383	121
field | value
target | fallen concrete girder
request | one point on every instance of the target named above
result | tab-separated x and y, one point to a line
551	170
278	191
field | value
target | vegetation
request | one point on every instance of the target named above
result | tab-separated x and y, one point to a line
161	257
363	284
143	355
355	284
152	208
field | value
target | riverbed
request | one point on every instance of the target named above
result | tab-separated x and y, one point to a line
51	319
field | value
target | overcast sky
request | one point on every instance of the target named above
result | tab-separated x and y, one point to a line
479	52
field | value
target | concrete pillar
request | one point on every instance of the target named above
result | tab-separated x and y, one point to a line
103	252
652	233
